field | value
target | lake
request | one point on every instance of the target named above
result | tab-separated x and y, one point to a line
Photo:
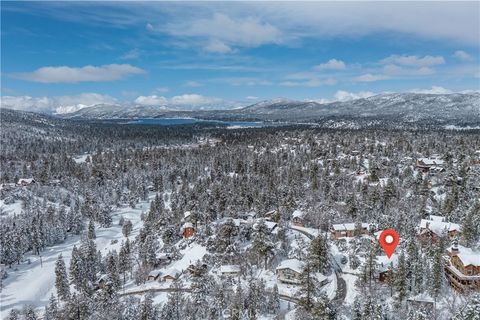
186	121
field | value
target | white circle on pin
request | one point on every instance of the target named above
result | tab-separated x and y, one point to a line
389	239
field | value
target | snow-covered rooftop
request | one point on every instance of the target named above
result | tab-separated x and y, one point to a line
293	264
229	268
347	226
431	161
384	262
439	226
470	259
297	214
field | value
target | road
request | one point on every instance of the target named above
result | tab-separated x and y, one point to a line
341	291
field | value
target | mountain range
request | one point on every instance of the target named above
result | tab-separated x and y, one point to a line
395	110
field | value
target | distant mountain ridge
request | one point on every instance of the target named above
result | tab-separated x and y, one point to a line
459	109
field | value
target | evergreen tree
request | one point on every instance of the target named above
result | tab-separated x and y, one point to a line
61	279
308	288
318	254
91	230
51	310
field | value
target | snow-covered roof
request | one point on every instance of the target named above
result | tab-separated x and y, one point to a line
437	218
431	161
25	180
163	256
229	268
384	262
187	214
155	273
187	225
297	214
270	224
469	259
347	226
293	264
439	226
171	273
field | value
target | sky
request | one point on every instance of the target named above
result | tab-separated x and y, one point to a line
227	54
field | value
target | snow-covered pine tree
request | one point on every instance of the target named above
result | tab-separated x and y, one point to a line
61	279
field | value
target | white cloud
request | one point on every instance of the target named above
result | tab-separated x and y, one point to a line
251	98
162	89
314	82
433	90
392	69
370	77
152	100
132	54
346	96
462	55
223	32
414	61
192	84
332	64
64	74
57	104
217	46
193	100
149	27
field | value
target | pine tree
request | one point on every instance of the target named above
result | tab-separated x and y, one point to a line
400	280
51	310
261	242
91	230
61	279
436	274
147	310
318	254
127	228
471	310
13	315
308	287
322	309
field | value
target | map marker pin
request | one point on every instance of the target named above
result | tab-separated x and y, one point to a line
389	241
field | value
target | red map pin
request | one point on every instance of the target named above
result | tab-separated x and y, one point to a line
389	241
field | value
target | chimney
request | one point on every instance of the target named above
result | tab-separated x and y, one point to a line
455	248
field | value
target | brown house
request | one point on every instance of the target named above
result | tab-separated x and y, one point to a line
348	230
188	230
463	268
436	226
429	164
297	218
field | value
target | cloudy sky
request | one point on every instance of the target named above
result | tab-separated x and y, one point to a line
64	54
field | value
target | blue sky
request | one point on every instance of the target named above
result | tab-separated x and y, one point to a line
228	53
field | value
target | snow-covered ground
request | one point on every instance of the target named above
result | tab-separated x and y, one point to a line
33	283
10	209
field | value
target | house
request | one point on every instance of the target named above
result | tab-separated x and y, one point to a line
385	266
272	216
154	275
230	270
297	218
429	164
462	268
290	270
187	230
170	275
271	226
341	230
436	226
187	215
25	182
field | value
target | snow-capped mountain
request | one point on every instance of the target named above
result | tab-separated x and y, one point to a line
407	108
